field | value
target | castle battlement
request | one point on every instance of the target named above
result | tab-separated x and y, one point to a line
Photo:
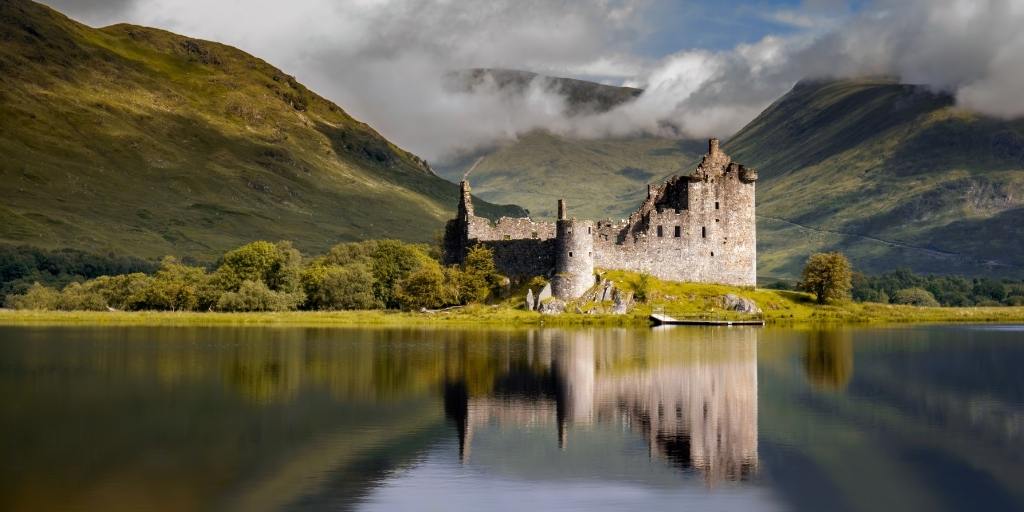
696	228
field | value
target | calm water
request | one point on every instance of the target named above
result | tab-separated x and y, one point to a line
928	418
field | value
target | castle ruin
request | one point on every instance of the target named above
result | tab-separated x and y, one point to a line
696	228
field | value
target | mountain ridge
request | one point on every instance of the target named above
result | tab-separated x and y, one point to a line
144	142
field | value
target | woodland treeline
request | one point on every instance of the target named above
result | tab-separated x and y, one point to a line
260	276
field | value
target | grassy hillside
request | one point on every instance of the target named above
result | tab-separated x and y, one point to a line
143	142
892	174
599	178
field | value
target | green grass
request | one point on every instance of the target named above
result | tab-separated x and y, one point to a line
682	300
138	141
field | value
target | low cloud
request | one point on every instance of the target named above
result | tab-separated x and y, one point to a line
385	61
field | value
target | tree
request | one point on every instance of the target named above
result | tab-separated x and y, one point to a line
915	297
331	287
827	276
479	278
257	296
430	286
37	297
179	287
391	262
278	266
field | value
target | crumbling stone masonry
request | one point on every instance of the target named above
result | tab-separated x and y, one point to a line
696	228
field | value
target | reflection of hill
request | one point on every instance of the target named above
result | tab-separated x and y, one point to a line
694	401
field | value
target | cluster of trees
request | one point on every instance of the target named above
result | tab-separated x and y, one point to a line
265	276
21	266
830	277
906	287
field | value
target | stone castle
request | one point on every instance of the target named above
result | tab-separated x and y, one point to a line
696	228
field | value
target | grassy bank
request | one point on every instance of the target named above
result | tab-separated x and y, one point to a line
676	299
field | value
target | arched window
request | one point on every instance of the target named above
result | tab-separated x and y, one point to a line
703	232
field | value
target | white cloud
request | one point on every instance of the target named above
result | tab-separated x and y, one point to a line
384	60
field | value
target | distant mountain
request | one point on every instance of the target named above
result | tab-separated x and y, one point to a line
143	142
894	175
582	97
600	178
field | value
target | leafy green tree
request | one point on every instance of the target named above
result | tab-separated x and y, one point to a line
37	297
391	262
427	287
828	276
179	287
330	287
257	296
479	278
278	266
915	297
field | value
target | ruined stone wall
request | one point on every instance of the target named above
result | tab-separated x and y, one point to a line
705	234
697	228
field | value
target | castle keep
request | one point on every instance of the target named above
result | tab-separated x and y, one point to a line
696	228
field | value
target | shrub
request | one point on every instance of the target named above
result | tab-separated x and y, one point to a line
478	279
828	276
428	287
642	290
37	297
257	296
278	266
339	287
915	297
179	287
391	262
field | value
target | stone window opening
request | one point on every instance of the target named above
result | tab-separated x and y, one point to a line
704	232
716	205
679	231
570	254
590	230
716	220
712	254
661	231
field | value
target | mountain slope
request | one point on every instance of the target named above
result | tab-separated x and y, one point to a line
143	142
600	178
892	174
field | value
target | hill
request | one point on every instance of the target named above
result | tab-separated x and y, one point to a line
894	175
599	178
142	142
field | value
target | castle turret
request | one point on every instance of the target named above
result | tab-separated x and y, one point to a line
465	200
574	256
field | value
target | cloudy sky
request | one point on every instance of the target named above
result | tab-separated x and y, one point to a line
708	66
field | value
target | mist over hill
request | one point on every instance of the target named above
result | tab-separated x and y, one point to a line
138	141
894	175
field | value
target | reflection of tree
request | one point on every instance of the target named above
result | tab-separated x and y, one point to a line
828	359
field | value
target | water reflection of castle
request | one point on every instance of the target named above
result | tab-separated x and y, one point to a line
693	400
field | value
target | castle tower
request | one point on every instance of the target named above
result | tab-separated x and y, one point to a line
574	256
465	200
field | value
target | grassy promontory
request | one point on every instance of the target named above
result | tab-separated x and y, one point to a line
682	300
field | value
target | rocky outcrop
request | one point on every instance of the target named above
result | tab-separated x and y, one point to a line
733	302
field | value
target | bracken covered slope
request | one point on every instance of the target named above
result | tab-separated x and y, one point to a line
892	174
143	142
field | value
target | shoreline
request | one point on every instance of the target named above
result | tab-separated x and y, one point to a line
498	316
